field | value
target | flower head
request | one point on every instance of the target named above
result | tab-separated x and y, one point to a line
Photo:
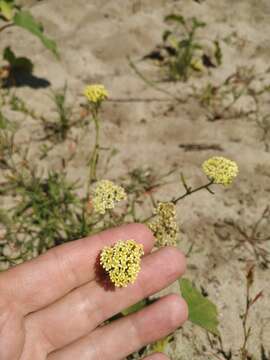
106	195
165	228
220	170
96	93
122	261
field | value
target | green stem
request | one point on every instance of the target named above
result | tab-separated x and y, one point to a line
153	84
95	153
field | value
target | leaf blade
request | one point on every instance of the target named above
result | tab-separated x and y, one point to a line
25	20
176	18
6	9
134	308
202	311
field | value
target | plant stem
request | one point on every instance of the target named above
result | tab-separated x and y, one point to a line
95	153
6	26
244	323
153	84
189	191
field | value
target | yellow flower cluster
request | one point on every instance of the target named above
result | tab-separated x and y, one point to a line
95	93
106	194
122	261
220	170
165	228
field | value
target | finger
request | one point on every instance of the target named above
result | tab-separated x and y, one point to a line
86	307
43	280
124	336
157	356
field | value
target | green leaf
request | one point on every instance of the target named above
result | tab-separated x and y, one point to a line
6	9
25	20
3	121
166	34
177	18
197	23
218	53
202	311
160	345
136	307
184	43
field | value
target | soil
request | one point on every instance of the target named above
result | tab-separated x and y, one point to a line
150	129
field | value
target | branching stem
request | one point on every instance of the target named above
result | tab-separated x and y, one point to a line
189	191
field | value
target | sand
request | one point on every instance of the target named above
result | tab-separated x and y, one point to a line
95	38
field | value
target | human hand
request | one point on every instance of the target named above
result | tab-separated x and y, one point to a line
51	307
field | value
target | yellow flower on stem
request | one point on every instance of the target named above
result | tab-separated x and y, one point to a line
106	195
122	261
220	170
96	93
165	228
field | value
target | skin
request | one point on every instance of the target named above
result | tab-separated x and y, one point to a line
51	307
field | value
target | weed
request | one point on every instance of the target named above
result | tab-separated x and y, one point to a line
220	101
7	147
250	301
4	122
182	51
253	237
47	211
57	130
264	124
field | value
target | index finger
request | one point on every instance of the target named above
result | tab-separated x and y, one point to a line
43	280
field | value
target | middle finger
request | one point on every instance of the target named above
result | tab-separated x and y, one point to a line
86	307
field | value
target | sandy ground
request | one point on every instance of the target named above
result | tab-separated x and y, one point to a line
94	39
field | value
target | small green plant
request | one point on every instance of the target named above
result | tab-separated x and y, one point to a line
4	122
57	130
255	237
182	51
48	212
221	101
7	147
250	302
263	123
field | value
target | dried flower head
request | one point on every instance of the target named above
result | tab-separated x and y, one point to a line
220	170
165	228
95	93
106	195
122	261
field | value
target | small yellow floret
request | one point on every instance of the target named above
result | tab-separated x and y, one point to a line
96	93
165	228
106	195
220	170
122	261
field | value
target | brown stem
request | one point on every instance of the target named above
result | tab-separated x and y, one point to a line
6	26
189	191
244	323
